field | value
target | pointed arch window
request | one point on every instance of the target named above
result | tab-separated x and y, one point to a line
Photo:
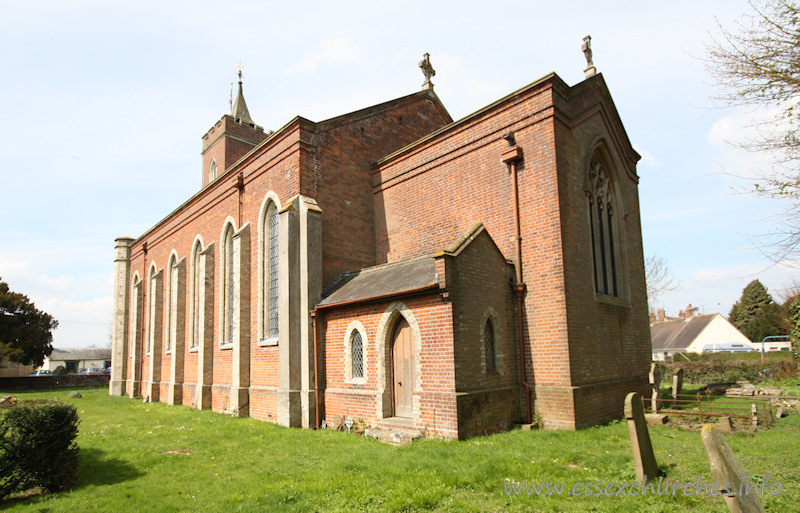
602	219
212	170
270	274
489	349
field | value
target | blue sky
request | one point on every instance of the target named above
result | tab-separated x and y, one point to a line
103	105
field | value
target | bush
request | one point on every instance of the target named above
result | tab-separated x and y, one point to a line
60	371
37	446
730	367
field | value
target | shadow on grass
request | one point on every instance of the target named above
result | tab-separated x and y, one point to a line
95	469
99	470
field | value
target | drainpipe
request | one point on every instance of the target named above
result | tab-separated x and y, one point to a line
315	326
510	157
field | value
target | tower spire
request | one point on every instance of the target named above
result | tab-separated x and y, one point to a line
239	110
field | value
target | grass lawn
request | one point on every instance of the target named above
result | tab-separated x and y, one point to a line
151	457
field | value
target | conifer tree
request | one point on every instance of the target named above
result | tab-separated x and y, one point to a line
756	315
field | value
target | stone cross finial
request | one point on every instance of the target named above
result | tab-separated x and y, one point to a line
427	70
590	70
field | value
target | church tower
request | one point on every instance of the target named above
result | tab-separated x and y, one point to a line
229	139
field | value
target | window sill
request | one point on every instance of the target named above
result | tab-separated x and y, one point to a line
194	349
227	346
268	342
356	381
612	300
168	351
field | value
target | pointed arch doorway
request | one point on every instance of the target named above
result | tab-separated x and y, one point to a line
402	369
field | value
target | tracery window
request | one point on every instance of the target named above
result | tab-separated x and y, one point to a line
602	212
152	308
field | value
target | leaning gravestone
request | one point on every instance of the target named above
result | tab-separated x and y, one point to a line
677	388
741	494
655	386
643	456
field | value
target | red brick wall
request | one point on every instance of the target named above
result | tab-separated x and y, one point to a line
478	282
340	176
437	392
457	178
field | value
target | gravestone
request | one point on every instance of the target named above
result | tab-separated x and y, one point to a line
677	388
754	413
655	386
643	456
725	424
741	494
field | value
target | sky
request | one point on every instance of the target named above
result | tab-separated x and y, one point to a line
103	106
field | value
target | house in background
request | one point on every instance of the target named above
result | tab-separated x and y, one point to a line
75	360
691	333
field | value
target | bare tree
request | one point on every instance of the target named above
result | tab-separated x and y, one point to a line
758	64
659	280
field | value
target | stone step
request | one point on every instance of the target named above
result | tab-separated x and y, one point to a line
394	436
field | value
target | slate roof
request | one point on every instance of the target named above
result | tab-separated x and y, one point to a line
678	334
87	353
382	281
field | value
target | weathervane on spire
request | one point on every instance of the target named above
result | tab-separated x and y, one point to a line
590	70
427	70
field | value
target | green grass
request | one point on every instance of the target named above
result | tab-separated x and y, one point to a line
230	464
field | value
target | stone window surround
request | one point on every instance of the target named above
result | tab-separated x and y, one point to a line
153	307
226	316
195	294
600	147
136	314
270	201
490	315
173	289
212	170
352	328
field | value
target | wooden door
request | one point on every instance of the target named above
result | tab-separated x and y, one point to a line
402	369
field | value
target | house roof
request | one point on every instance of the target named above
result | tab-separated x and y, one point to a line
86	353
678	334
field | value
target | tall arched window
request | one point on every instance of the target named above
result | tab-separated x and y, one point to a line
489	350
136	316
269	271
152	308
271	274
194	300
602	211
228	287
212	170
172	304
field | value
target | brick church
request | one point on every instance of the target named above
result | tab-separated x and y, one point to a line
394	265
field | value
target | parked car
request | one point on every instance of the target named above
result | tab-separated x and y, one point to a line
92	370
107	370
41	372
